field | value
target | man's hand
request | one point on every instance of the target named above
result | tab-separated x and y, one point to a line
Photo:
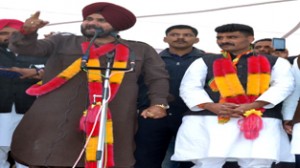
33	23
282	54
242	108
288	127
26	72
222	109
232	109
154	112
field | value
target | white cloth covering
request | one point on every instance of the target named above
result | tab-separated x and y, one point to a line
8	123
3	157
290	103
202	137
243	163
289	108
296	139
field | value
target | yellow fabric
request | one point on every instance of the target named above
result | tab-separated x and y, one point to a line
117	76
225	90
253	85
94	75
109	132
39	83
72	70
265	82
253	111
234	84
120	64
91	149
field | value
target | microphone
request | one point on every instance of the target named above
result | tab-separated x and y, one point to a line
85	57
132	60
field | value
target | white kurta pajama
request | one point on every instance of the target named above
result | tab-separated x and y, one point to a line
289	107
200	136
8	123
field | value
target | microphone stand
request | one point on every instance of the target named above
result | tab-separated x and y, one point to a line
105	91
105	94
102	124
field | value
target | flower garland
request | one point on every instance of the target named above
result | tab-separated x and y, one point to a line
40	88
231	89
88	121
90	117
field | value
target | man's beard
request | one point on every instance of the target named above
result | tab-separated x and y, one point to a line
91	35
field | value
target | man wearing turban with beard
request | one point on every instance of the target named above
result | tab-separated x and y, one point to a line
58	126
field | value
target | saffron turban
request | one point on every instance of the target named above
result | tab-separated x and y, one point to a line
13	23
119	17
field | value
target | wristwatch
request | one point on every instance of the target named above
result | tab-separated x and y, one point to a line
163	106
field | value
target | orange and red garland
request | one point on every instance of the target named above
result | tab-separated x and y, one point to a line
88	124
231	90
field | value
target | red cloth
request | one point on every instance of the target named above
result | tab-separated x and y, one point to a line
13	23
119	17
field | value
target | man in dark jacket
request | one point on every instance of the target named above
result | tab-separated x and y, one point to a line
154	136
14	102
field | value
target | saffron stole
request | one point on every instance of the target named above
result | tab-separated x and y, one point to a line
87	123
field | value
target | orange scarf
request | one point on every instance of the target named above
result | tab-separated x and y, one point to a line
231	90
89	122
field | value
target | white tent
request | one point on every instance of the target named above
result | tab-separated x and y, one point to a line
269	18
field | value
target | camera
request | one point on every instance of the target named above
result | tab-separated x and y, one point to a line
278	44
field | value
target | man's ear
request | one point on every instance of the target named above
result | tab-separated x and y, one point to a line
251	39
196	40
165	40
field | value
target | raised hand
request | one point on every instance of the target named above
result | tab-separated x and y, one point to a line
33	23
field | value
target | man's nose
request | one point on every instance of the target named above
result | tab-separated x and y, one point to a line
223	40
180	36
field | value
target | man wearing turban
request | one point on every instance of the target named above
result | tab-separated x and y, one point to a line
13	100
59	124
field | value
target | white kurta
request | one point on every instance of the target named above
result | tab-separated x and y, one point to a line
200	137
290	103
289	107
296	139
8	123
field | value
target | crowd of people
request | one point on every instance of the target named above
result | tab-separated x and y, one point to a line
14	102
104	101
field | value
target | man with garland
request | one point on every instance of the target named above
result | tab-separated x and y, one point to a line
232	99
62	123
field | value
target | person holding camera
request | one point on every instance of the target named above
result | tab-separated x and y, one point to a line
275	46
